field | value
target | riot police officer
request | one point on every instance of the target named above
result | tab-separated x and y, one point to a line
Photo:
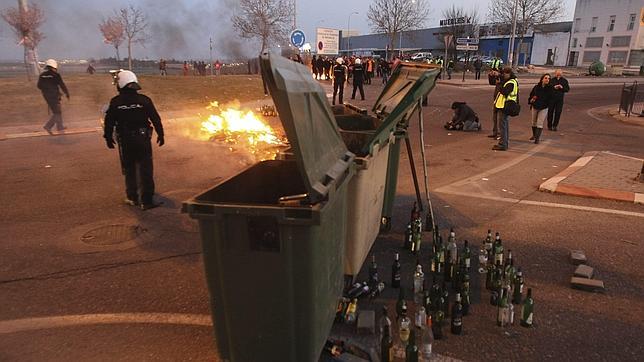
339	77
358	78
50	83
133	115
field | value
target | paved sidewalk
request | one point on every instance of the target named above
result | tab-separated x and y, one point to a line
603	175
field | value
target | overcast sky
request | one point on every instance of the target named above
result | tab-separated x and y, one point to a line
181	28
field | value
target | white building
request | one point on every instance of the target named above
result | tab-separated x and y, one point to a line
550	44
611	31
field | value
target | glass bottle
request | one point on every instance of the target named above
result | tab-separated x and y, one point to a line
404	327
395	272
419	279
518	287
457	316
527	312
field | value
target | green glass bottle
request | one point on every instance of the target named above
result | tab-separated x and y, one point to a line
517	295
466	255
404	327
497	284
465	293
395	272
503	310
488	242
457	316
438	319
498	249
527	312
448	266
411	352
386	347
408	237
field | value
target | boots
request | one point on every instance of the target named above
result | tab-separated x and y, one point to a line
537	134
534	132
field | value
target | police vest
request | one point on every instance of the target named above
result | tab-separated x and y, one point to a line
499	102
496	63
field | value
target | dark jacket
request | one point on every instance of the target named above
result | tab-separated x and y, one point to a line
543	96
130	111
478	64
339	73
358	73
507	87
463	113
50	83
558	94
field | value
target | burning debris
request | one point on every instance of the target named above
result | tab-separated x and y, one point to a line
241	130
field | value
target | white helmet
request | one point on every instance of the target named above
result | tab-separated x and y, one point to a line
358	61
51	63
340	60
126	77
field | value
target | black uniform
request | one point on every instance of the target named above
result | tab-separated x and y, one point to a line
358	80
556	101
130	113
339	76
478	64
50	84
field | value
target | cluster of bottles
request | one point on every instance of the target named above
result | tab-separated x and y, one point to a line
348	305
505	282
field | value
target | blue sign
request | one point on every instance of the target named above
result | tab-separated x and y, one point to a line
297	38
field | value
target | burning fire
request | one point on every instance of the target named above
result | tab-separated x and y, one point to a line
241	129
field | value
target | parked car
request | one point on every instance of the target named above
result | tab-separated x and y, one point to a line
419	57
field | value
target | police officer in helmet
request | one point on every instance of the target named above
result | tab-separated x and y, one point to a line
133	115
50	83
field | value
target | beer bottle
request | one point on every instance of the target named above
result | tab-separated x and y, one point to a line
427	298
395	272
384	324
436	264
466	255
435	295
527	312
373	271
340	311
352	309
400	304
451	246
421	317
518	287
498	249
404	326
386	347
441	253
497	284
417	235
488	246
457	316
501	310
427	340
419	279
411	352
408	237
508	267
437	323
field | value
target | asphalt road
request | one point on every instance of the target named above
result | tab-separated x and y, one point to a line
140	294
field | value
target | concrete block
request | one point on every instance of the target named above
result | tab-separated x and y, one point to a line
577	257
366	321
590	285
584	271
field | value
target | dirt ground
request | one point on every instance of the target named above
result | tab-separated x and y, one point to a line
22	102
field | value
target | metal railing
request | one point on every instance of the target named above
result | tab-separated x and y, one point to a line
632	100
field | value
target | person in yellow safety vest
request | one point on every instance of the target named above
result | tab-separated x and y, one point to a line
496	63
509	92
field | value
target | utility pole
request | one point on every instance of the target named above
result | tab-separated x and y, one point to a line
294	14
348	33
212	66
514	29
30	57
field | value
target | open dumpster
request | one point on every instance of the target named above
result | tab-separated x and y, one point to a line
273	236
370	138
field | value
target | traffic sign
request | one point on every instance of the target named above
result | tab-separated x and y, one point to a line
297	38
467	41
467	47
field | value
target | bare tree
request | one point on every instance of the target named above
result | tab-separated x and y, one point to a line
113	32
529	13
392	17
25	21
265	20
466	24
134	25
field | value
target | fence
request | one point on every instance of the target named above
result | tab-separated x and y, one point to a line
632	100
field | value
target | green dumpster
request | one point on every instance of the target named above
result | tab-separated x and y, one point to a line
273	236
370	138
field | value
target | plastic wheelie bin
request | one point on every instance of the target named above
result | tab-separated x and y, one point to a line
370	138
273	236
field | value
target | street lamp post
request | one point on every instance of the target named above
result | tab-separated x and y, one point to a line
348	30
514	29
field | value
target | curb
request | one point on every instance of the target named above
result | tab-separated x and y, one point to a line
554	185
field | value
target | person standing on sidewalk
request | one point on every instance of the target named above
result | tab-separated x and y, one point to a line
497	114
339	77
50	84
478	64
130	113
509	92
539	99
450	68
358	78
560	87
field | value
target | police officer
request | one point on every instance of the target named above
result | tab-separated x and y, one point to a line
497	63
50	83
130	113
358	78
339	77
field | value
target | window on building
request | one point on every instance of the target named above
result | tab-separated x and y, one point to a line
620	41
574	42
636	59
611	23
631	22
593	25
595	42
590	57
577	25
617	57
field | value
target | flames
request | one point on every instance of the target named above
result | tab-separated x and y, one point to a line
241	130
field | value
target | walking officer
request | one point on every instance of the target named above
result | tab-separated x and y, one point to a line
358	78
339	77
133	115
50	84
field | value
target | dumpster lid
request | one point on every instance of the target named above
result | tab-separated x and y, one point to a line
407	85
308	121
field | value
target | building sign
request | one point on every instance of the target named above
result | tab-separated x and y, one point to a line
328	41
457	21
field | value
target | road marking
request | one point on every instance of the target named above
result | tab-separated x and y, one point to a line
43	134
31	324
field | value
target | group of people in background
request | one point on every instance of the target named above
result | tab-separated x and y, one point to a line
361	70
